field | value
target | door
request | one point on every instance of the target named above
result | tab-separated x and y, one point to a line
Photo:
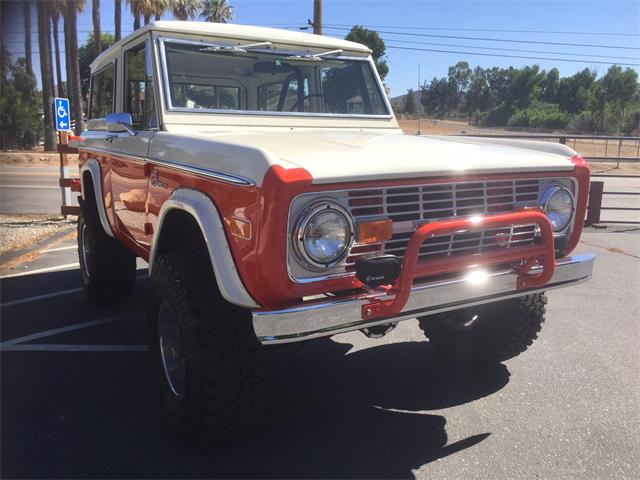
129	173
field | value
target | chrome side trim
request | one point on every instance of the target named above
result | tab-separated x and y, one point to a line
202	209
223	177
93	167
331	315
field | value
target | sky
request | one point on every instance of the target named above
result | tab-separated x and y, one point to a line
597	30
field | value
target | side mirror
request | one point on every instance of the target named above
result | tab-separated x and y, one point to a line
120	122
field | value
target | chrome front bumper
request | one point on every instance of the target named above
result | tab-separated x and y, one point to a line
330	315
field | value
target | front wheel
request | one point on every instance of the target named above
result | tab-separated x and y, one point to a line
492	332
207	357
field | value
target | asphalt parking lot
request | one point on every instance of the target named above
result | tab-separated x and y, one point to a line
79	399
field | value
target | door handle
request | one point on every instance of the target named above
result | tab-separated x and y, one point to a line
110	138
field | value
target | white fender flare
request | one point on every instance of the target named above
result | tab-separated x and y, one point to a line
93	167
205	213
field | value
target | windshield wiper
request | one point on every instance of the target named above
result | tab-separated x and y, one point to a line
235	48
316	57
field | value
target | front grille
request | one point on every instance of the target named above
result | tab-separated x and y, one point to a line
409	207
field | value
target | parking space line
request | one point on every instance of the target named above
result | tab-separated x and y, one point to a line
56	331
40	297
59	249
29	186
44	347
41	270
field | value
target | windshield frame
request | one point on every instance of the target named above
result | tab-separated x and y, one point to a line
164	71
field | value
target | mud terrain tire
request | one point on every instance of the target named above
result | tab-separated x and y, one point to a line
108	267
222	391
501	330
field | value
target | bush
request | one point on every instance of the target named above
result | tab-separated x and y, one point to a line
540	115
585	121
497	116
631	125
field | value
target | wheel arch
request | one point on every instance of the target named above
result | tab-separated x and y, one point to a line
91	184
193	214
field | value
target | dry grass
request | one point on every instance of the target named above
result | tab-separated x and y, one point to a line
586	147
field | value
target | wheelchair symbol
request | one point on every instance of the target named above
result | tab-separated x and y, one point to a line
61	110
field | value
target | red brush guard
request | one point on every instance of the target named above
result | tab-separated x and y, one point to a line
525	257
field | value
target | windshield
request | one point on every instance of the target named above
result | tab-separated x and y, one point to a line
201	79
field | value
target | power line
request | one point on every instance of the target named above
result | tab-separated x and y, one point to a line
589	55
511	56
493	30
497	39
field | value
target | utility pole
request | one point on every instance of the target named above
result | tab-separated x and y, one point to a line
317	17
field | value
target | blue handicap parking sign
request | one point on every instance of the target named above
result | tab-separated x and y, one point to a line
61	107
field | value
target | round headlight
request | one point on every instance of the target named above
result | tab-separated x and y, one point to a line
558	204
323	235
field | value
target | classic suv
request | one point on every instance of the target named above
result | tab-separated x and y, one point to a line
263	176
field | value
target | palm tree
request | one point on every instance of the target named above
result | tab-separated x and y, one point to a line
55	18
117	18
136	10
44	42
217	11
73	66
95	16
26	6
185	9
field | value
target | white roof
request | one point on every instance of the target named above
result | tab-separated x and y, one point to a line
238	32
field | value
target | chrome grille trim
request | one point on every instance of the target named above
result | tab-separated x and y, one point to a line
410	206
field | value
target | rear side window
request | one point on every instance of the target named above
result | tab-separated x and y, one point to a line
102	84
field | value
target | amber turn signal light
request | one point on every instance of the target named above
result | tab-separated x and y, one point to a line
375	231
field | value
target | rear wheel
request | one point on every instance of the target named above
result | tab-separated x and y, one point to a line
207	357
492	332
108	267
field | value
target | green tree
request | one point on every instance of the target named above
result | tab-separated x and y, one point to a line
374	41
410	102
87	54
185	9
438	97
217	11
20	107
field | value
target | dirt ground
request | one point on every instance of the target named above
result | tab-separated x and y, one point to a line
34	158
20	231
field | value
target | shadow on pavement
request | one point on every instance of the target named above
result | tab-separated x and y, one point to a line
97	414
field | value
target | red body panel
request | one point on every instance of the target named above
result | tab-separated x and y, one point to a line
262	260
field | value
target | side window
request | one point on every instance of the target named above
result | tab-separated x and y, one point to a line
138	88
102	84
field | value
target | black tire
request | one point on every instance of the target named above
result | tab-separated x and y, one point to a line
108	267
501	330
223	392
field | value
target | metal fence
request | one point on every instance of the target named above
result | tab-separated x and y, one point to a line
595	148
597	193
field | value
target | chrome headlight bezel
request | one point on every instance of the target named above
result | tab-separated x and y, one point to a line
545	200
302	222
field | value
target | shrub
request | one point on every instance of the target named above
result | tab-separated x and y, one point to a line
540	115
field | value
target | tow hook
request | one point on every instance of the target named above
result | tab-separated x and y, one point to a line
379	331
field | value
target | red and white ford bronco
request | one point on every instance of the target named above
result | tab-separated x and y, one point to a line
263	176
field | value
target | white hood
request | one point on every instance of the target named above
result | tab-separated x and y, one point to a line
333	156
